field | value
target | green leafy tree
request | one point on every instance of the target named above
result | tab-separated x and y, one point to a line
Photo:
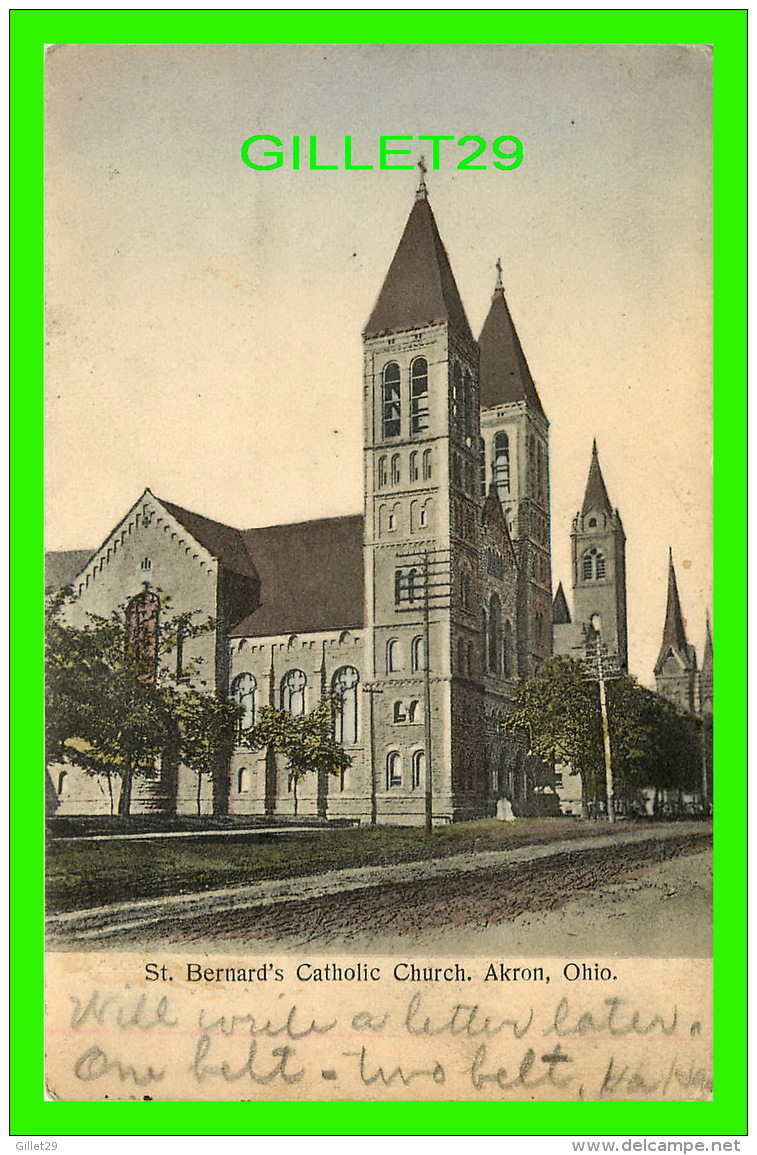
306	742
206	730
653	744
105	719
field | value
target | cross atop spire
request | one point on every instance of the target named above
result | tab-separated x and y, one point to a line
498	267
421	193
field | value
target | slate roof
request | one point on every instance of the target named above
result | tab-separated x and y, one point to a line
222	541
560	612
420	287
62	566
311	577
504	374
596	496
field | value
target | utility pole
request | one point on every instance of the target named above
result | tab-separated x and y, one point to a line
436	591
429	801
601	667
371	688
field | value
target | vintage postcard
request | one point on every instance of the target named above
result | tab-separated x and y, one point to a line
379	572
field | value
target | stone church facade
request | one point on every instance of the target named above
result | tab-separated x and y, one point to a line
441	600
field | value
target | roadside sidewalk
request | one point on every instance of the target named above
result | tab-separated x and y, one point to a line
109	920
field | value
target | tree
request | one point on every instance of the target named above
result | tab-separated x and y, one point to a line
104	715
206	732
653	744
306	742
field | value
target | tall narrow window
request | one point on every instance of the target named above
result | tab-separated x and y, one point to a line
393	770
495	632
501	463
392	656
508	651
419	768
243	692
423	519
419	395
293	692
344	685
413	585
427	465
456	396
391	405
468	422
414	466
382	473
243	781
396	469
400	586
418	654
63	782
482	466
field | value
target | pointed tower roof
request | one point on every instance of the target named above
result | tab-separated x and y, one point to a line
596	496
674	631
419	288
560	612
707	654
504	373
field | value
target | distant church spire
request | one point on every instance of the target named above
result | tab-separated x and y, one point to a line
674	632
707	654
596	496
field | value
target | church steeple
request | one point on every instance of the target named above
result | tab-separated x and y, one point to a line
674	631
420	287
560	611
596	496
504	372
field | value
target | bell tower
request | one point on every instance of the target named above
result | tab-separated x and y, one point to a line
515	459
422	513
598	548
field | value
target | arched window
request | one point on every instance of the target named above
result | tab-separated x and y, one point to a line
495	631
508	650
501	463
482	466
243	692
293	692
393	770
418	654
419	768
412	710
423	520
400	586
395	469
427	465
413	585
382	472
414	466
390	400
392	656
63	782
243	780
344	685
593	565
419	395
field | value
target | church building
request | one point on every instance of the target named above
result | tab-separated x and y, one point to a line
421	613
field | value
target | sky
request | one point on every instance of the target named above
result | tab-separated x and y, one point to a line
204	319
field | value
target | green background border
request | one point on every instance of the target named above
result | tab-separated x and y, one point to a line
30	30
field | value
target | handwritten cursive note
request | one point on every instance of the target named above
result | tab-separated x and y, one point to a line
121	1026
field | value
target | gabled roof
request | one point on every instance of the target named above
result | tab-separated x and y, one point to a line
503	370
596	496
560	612
419	288
222	541
674	631
311	577
62	566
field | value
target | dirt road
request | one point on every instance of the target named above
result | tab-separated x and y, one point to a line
649	895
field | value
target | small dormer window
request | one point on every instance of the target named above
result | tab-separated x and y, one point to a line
146	563
592	523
